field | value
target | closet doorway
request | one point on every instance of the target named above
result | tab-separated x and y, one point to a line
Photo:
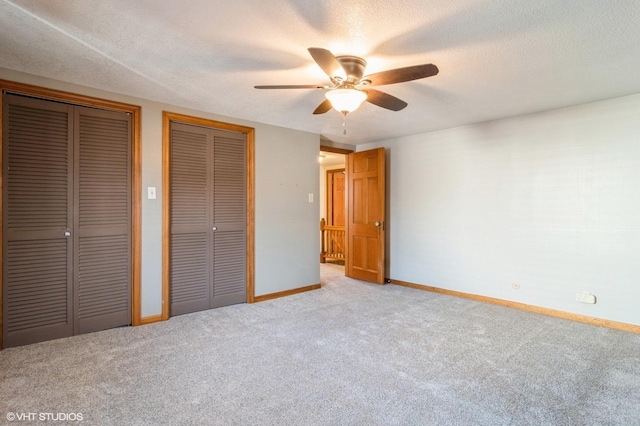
208	214
69	224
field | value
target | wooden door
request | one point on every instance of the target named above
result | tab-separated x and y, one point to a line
366	215
335	197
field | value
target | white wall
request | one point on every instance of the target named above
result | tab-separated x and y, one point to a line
548	200
286	224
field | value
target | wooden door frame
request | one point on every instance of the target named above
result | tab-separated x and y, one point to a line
167	118
327	148
136	175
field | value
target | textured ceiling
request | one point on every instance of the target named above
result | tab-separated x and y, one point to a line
497	58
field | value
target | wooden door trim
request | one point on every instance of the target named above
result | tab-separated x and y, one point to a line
335	150
136	174
167	118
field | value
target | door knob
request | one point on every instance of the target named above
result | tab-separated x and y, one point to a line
377	223
67	233
215	228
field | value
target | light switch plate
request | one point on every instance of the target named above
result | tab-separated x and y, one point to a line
151	192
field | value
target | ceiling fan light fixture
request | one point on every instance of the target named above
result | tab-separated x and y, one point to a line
345	100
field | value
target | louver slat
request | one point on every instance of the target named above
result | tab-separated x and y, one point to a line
189	273
37	289
103	274
103	278
31	301
188	180
38	168
229	268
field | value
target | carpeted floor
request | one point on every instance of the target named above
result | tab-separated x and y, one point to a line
350	353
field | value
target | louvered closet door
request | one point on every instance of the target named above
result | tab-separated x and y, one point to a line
37	206
208	218
190	230
102	224
67	210
229	219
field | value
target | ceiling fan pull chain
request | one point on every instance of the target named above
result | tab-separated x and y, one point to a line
344	123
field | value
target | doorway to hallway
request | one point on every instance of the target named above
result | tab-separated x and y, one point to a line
353	193
332	207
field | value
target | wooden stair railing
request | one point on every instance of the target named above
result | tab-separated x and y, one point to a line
332	242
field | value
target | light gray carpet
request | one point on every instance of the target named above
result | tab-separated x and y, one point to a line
350	353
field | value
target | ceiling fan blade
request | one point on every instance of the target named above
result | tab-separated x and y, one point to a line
384	100
399	75
323	107
328	62
292	86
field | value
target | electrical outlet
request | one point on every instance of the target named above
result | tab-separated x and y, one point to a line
586	297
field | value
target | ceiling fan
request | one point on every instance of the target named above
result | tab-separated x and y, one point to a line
349	88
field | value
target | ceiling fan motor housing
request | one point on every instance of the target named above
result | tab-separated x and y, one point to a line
354	68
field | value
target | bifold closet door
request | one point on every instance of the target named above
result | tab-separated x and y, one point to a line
208	218
190	232
229	255
67	210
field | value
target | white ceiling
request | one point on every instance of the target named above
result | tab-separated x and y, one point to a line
497	58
